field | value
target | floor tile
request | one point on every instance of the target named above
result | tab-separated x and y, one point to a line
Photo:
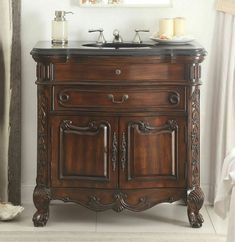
63	217
161	218
169	218
219	224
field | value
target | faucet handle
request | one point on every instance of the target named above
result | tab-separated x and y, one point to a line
95	30
101	40
137	38
141	30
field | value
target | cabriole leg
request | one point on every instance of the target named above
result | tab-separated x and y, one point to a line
195	202
41	199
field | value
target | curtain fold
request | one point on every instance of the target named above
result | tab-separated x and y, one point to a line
5	59
10	89
223	80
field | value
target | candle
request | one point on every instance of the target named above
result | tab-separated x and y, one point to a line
166	27
179	26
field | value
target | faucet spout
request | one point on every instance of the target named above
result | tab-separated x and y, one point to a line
117	36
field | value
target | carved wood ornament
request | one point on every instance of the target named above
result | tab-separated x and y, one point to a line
123	151
195	203
119	203
42	138
196	137
41	199
114	151
195	197
170	125
195	73
41	195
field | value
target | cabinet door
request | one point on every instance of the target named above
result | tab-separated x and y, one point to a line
84	152
152	152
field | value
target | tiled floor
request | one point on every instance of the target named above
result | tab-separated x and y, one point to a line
162	218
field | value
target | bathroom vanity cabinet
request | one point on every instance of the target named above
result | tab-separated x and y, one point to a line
118	128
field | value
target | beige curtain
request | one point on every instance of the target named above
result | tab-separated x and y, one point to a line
10	89
227	6
5	60
222	81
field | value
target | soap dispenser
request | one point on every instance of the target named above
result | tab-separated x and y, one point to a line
59	33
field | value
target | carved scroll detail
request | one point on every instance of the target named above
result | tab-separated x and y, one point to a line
196	196
171	125
119	203
195	137
114	151
146	128
123	151
42	158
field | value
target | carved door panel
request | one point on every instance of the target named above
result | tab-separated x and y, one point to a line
153	152
84	152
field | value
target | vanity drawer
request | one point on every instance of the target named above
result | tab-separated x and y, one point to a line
75	98
116	70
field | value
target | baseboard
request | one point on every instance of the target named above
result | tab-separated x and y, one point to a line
207	189
27	193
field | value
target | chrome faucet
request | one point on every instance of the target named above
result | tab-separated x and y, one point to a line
117	36
101	40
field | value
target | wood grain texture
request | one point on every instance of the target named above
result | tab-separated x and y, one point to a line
121	70
110	98
120	130
155	152
81	152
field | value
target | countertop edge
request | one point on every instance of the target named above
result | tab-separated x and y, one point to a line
194	50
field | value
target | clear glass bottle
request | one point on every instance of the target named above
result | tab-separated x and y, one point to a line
59	32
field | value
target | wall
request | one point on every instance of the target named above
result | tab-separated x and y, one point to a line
36	25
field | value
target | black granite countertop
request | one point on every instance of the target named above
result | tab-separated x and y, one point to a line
77	48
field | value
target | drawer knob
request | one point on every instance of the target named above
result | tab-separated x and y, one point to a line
174	98
124	98
118	72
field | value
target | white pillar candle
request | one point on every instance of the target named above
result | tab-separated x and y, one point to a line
179	26
166	27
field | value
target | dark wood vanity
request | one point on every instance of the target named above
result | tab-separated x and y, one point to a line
118	128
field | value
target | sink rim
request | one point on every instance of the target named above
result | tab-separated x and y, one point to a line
123	45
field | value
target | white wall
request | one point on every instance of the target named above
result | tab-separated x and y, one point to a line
36	25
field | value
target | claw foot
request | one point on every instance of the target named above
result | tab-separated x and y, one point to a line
40	219
196	220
